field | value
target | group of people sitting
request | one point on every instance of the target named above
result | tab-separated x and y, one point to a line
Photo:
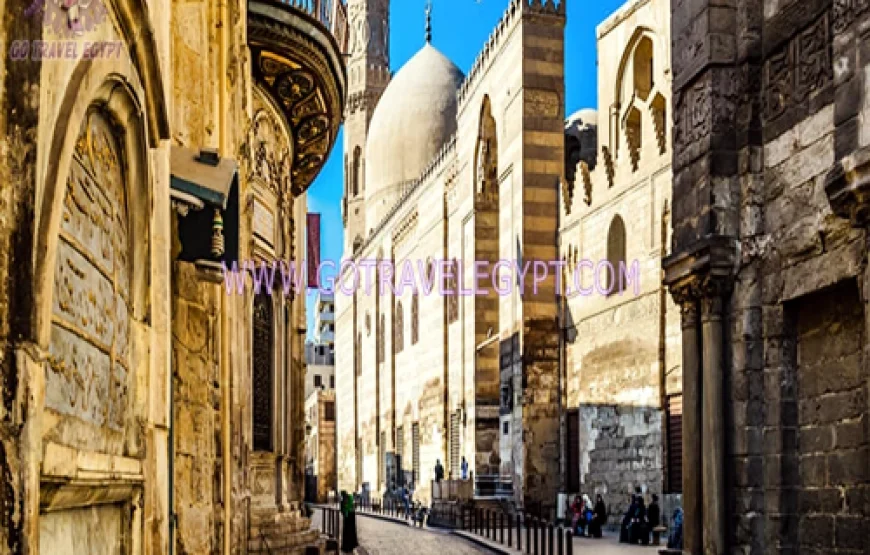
587	519
639	520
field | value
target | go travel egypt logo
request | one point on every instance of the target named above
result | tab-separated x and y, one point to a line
68	30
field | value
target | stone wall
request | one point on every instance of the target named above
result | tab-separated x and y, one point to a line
621	450
769	164
196	405
621	351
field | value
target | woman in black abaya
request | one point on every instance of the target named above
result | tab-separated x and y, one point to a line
349	540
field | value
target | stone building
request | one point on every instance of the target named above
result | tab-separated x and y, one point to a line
320	368
621	331
443	169
324	319
145	410
769	267
320	446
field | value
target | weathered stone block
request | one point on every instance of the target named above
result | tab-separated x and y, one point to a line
850	467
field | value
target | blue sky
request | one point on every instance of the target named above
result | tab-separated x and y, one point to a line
460	28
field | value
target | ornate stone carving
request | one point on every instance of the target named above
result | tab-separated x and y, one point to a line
608	165
693	115
587	183
632	139
542	103
714	289
305	87
263	374
686	296
658	118
89	354
844	12
798	69
568	194
486	178
848	188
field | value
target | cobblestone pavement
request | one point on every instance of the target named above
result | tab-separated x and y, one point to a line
379	537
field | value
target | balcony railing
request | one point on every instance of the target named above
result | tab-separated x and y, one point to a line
332	14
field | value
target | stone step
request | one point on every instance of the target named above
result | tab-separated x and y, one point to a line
283	542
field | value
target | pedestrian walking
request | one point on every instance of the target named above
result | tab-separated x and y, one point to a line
406	500
349	540
463	467
439	471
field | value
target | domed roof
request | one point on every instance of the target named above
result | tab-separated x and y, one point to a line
415	116
582	118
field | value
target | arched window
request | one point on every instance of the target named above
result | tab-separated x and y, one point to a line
616	256
262	379
643	68
452	291
399	330
415	319
357	160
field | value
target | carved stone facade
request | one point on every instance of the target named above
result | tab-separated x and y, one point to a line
126	423
432	390
770	266
621	341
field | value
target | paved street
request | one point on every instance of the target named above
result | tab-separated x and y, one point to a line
379	537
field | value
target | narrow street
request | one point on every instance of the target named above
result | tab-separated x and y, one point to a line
380	537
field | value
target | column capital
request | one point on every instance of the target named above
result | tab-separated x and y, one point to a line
686	295
848	188
704	274
714	290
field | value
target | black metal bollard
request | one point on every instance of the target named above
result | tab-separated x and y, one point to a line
569	539
560	537
535	544
528	533
550	540
490	525
501	528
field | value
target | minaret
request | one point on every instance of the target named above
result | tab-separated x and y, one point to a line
368	70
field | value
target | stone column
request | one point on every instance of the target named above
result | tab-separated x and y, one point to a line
713	427
692	418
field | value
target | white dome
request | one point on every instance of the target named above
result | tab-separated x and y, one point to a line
581	118
415	116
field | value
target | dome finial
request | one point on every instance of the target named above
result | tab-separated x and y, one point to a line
429	21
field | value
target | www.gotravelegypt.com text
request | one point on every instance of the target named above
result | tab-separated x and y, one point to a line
435	277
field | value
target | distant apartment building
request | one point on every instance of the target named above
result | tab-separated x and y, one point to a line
324	319
320	477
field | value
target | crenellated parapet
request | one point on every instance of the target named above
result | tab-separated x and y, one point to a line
512	15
